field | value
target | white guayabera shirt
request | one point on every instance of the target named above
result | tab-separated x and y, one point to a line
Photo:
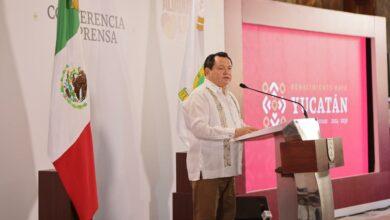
212	117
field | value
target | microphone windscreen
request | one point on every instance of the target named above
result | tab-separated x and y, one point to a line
242	85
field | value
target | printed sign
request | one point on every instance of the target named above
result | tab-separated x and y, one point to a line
325	73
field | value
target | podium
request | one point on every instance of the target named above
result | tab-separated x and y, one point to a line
303	160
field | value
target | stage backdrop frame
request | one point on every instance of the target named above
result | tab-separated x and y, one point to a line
348	191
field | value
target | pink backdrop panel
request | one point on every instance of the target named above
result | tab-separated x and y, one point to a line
324	72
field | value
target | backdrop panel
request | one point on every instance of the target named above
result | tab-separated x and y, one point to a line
324	72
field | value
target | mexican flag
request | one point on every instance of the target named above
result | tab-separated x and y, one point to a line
192	71
70	140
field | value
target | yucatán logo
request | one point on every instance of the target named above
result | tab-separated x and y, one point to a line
73	86
273	108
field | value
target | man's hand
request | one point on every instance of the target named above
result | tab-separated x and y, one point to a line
244	130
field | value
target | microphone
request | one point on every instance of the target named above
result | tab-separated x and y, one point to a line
242	85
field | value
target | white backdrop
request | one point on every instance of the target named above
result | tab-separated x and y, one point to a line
133	85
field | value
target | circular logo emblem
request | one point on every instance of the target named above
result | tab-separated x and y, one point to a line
74	86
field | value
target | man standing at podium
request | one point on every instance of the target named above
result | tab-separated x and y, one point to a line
213	117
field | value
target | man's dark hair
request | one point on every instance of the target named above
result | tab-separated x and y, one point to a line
210	60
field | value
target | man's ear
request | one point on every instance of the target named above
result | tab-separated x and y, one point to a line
206	71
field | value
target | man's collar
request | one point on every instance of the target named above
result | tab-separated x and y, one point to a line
213	87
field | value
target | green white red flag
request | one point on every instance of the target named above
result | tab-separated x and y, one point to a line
70	138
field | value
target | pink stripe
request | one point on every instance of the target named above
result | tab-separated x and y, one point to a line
77	172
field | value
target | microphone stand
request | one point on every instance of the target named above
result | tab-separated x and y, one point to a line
242	85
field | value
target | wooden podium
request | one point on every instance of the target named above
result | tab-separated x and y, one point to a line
303	160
